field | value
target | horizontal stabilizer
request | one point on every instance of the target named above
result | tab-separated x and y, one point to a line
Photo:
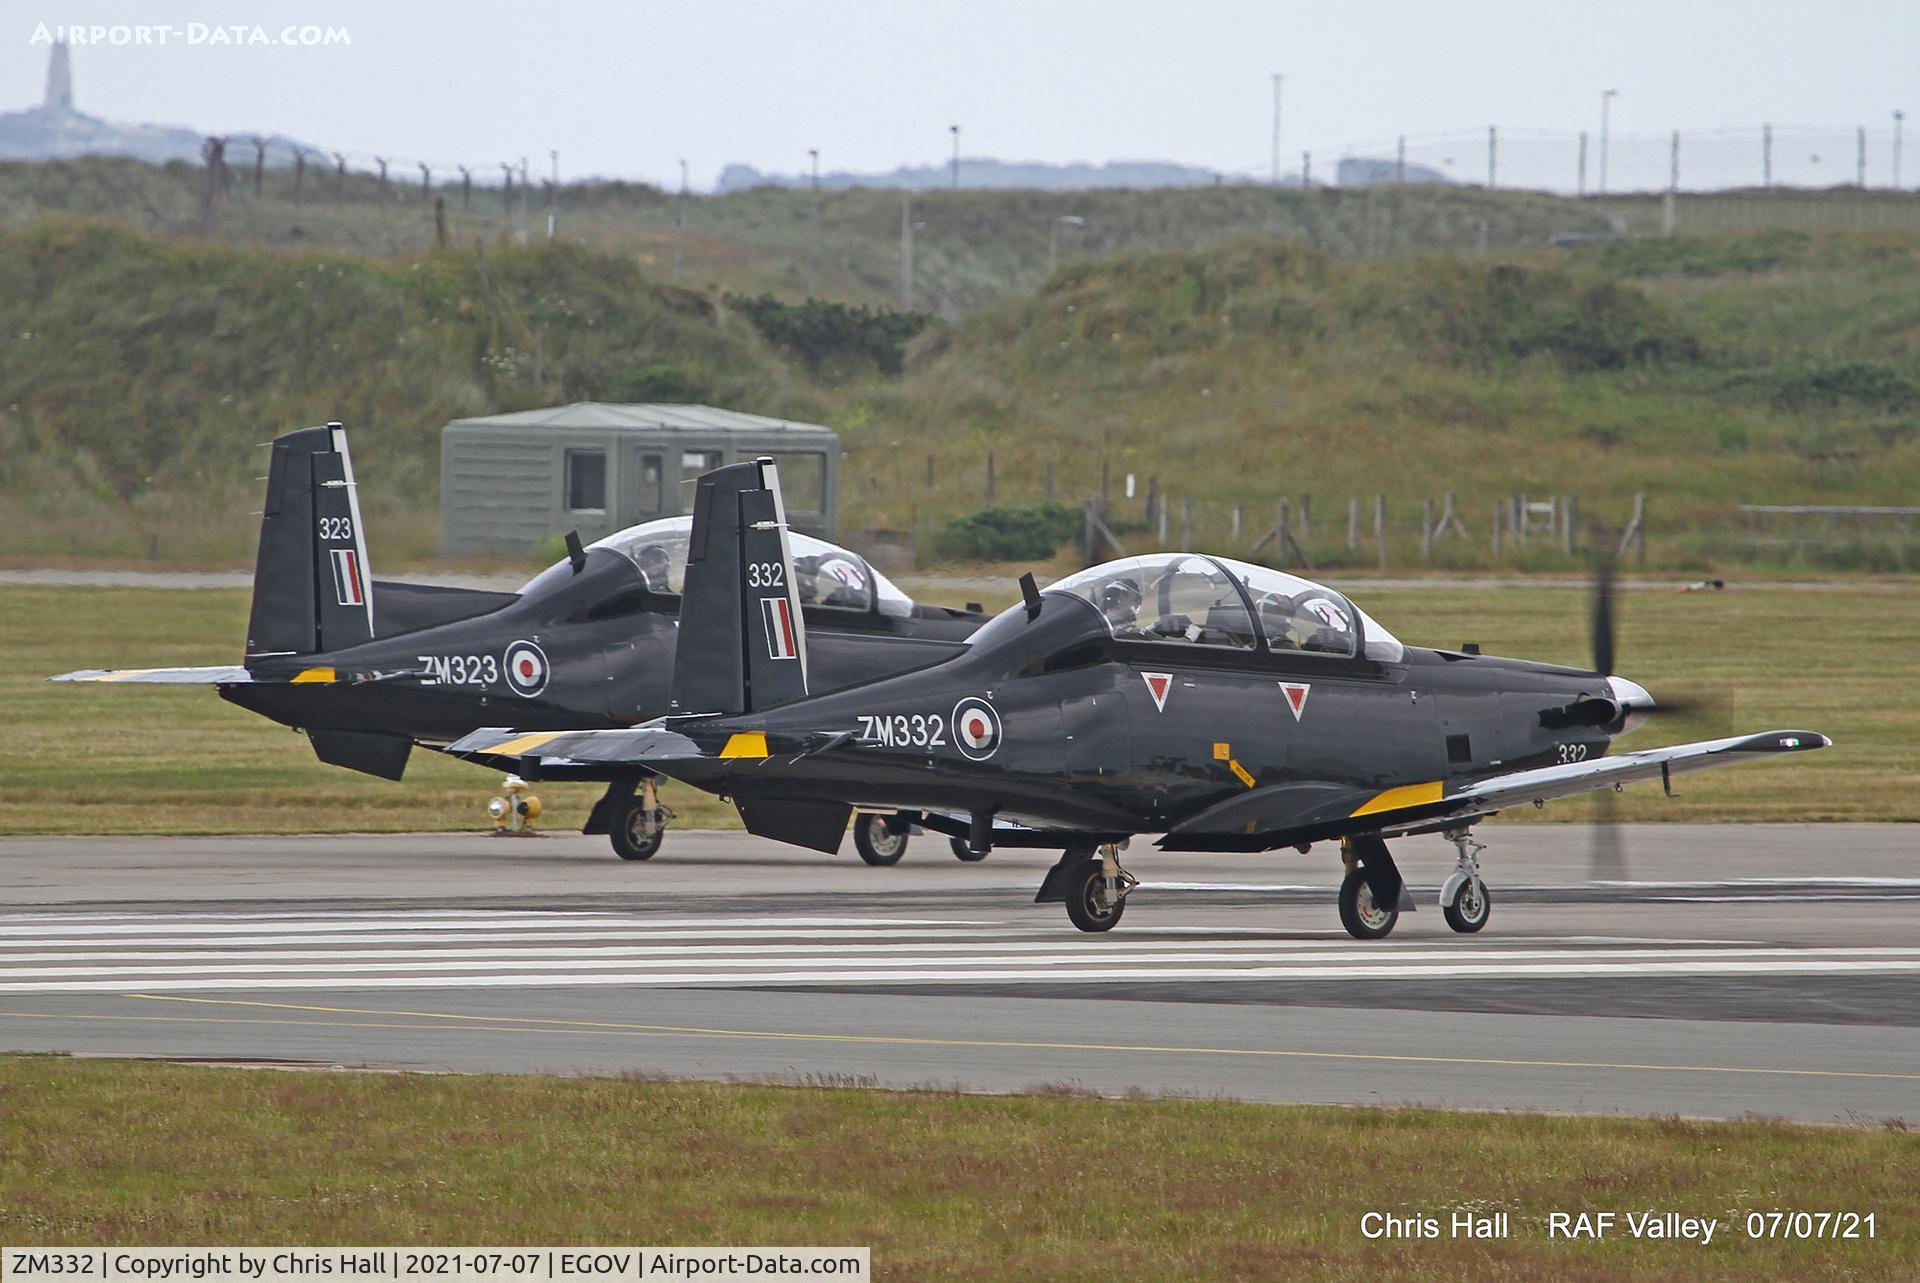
224	675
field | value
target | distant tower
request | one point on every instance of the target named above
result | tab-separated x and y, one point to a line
59	79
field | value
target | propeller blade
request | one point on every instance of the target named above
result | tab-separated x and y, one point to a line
1603	615
1608	862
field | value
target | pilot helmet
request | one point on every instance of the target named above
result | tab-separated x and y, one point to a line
1120	598
655	564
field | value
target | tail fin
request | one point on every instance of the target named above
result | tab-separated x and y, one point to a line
312	590
743	643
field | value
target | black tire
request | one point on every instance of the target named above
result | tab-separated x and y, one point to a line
1087	905
635	835
878	844
963	850
1363	919
1470	907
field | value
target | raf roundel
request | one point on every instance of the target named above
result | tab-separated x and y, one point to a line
526	666
976	728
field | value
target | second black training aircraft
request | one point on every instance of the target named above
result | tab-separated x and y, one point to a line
370	668
1220	705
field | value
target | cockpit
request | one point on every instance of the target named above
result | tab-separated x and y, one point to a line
1186	598
824	574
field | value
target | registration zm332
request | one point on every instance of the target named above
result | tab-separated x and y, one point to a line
1212	704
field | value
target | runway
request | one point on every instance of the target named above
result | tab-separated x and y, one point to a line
1739	969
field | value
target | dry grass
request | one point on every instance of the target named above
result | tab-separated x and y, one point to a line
131	759
940	1185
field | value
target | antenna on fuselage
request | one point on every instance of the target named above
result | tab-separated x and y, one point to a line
1030	593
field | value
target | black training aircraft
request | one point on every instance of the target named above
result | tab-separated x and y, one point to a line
369	668
1221	705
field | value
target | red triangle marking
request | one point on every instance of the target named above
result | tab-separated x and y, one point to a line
1296	693
1158	684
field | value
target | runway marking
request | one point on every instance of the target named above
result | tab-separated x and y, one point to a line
1051	975
411	924
522	1024
1007	951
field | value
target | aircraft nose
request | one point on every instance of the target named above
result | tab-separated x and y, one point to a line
1632	697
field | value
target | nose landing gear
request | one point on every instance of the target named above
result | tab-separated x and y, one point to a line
1465	901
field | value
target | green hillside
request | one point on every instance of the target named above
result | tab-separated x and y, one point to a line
1241	373
137	373
970	247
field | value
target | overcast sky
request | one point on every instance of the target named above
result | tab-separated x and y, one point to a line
627	89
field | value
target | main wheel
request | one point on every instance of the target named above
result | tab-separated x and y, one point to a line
636	832
1470	907
877	843
963	850
1363	919
1089	905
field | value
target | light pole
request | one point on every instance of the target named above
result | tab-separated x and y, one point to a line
955	130
1277	79
1053	236
1606	120
1898	117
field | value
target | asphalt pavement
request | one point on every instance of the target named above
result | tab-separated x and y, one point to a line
1766	969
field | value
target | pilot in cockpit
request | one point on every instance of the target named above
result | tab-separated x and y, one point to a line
1120	603
656	567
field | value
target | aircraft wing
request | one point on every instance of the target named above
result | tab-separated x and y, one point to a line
225	675
1286	814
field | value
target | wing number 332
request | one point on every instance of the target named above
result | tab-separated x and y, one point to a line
1571	753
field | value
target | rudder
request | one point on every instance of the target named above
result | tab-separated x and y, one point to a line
312	590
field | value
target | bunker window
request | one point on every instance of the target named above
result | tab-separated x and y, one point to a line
803	482
586	480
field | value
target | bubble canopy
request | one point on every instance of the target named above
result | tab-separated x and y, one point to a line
1212	601
824	574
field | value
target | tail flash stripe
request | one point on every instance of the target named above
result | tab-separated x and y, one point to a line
781	643
346	577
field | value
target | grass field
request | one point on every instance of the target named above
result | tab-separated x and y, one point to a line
938	1184
130	759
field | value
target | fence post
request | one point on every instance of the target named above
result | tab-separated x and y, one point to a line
989	502
1282	528
1162	507
1353	524
1496	529
1380	527
1426	530
1236	524
1186	523
1153	497
1306	517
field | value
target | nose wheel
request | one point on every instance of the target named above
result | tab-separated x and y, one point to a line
1465	901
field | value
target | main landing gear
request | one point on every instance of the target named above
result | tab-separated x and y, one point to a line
1093	887
882	839
634	822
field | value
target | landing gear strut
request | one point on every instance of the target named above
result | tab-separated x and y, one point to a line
1093	887
1465	901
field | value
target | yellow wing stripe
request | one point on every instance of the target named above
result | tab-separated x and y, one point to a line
1407	795
313	675
524	744
746	744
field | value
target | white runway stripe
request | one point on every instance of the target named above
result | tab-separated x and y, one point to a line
538	979
204	951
